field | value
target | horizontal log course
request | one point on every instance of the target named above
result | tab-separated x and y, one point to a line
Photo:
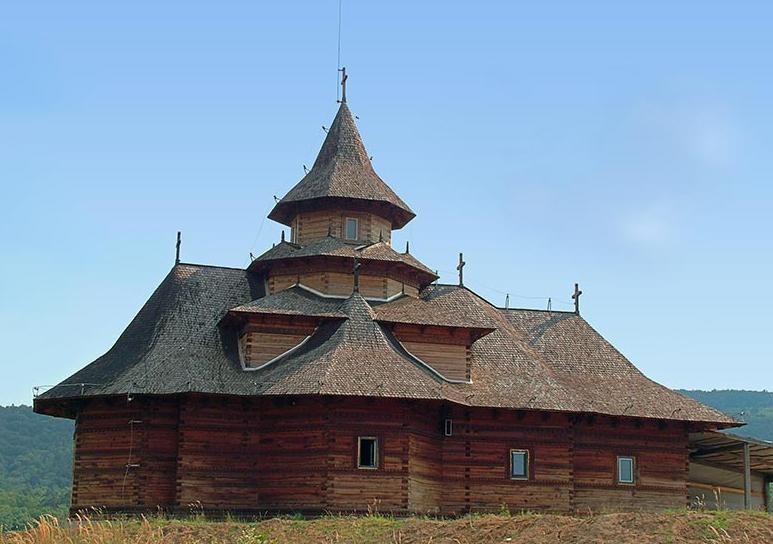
302	454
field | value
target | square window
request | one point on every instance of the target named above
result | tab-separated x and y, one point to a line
519	464
625	470
351	228
367	452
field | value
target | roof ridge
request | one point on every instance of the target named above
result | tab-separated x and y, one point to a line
208	266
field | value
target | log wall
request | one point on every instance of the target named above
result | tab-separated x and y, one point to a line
309	227
341	284
258	348
299	454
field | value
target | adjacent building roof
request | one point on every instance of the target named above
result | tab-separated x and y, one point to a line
343	171
725	449
536	360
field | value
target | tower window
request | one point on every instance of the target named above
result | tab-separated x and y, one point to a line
367	452
519	464
626	469
351	228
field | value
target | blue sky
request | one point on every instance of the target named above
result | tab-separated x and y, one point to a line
622	145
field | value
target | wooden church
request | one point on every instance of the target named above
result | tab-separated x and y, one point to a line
336	374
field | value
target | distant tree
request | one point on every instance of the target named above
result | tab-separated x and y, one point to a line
35	466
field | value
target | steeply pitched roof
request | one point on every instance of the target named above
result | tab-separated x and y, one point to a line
343	171
532	360
335	247
557	361
354	357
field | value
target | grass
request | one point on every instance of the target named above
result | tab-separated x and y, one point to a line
525	528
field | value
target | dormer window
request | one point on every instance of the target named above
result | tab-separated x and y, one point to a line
351	229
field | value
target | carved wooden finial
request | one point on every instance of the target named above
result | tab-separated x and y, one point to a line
576	297
460	268
356	270
283	235
177	249
407	247
344	77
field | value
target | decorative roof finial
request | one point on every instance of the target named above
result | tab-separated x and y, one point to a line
356	270
177	249
283	235
576	297
460	268
407	247
344	77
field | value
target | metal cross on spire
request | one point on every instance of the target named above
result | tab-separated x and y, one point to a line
460	268
344	77
576	298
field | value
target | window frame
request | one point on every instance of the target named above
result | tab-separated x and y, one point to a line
618	479
376	453
527	463
448	427
356	229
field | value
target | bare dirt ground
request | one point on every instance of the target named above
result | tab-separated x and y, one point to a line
620	528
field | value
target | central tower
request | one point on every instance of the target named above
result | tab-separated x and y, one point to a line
342	194
339	214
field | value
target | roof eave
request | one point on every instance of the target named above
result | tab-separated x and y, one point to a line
285	210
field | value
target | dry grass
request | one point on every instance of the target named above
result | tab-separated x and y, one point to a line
620	528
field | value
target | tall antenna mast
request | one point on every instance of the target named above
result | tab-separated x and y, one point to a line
338	63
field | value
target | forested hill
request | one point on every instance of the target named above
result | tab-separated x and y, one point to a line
753	407
36	452
35	465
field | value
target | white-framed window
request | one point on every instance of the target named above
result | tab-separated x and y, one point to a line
448	427
351	228
519	464
367	452
626	469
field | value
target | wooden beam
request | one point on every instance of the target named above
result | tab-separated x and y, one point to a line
719	449
747	477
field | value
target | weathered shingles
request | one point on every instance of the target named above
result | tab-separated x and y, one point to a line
600	378
353	357
293	301
442	305
342	170
532	360
331	246
174	341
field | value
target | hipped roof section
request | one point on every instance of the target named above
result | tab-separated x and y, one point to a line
343	172
439	305
179	343
336	248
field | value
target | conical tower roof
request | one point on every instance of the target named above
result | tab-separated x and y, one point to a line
343	175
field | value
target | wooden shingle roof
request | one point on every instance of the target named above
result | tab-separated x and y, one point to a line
179	343
343	173
440	305
331	246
